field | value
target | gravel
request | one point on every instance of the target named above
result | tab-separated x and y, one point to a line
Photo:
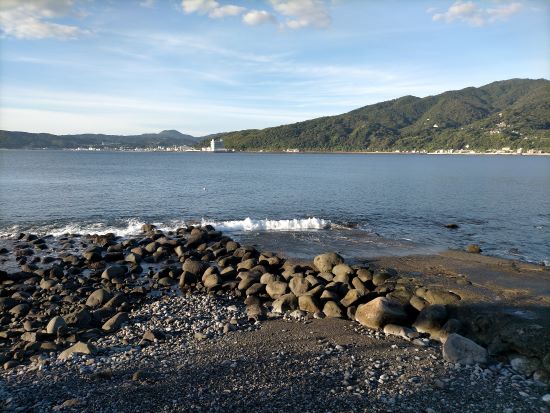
213	359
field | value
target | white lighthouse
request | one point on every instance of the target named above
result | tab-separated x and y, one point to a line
217	146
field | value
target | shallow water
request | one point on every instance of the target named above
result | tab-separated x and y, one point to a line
363	205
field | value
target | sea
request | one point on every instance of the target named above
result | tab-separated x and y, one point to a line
299	204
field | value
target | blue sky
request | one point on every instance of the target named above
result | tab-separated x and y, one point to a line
204	66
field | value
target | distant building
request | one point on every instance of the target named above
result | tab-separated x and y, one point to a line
215	146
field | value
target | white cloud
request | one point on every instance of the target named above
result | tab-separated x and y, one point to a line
256	17
297	13
31	19
198	6
303	13
474	15
224	11
211	7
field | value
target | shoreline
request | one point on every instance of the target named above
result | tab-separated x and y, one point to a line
284	152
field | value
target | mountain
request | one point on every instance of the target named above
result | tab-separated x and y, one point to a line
511	113
14	140
514	113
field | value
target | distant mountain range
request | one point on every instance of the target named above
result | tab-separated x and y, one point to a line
16	140
511	113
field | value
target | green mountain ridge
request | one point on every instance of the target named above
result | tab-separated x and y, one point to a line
512	113
18	140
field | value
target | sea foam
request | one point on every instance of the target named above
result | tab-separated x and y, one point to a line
248	224
132	226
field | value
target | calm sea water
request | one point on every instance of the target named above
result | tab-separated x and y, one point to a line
361	205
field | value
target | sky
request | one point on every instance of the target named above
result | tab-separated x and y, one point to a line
206	66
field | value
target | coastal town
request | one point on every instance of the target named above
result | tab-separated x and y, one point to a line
217	147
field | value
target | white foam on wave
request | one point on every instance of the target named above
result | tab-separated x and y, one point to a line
248	224
132	226
126	228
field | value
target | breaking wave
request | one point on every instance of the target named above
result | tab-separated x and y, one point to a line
124	228
248	224
130	227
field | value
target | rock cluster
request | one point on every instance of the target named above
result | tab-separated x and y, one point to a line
64	303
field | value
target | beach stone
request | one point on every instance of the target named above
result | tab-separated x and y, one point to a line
247	279
329	295
400	331
56	326
327	276
352	297
359	285
228	273
525	365
267	277
148	227
462	350
231	246
20	310
98	298
114	271
80	318
166	281
276	289
332	310
70	404
418	303
316	291
133	258
31	336
47	284
10	364
255	289
326	262
342	270
364	274
247	264
151	247
286	302
298	285
115	322
379	312
93	254
212	281
380	278
194	267
152	335
254	312
341	278
78	348
308	303
187	279
431	319
437	296
473	249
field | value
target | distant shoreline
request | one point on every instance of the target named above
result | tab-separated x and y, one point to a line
291	153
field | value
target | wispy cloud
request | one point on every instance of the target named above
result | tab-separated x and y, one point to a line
147	3
35	19
475	15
